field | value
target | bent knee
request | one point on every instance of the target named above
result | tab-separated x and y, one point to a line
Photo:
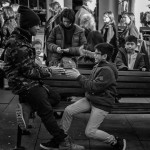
89	132
68	110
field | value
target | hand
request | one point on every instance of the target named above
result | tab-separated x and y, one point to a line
59	50
57	70
82	50
66	50
72	73
143	69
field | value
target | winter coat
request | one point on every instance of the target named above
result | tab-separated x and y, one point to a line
56	39
20	68
100	87
122	60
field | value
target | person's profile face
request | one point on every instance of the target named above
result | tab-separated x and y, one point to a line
33	31
98	56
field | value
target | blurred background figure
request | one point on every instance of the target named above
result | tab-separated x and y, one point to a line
5	3
109	32
37	44
128	20
54	20
88	23
15	8
9	23
88	7
8	27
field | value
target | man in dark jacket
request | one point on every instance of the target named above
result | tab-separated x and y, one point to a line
24	78
100	91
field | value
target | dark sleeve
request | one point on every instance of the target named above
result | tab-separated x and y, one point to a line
119	61
104	79
22	61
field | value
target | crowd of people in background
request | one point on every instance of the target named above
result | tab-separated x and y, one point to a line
69	40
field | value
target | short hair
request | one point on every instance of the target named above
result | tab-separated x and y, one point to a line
69	14
36	41
87	21
105	48
131	38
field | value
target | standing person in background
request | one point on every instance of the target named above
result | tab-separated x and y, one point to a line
6	30
109	32
128	19
9	24
65	40
88	23
88	7
54	20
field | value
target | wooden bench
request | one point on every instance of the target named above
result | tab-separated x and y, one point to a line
129	84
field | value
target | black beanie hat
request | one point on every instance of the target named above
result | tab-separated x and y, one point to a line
28	18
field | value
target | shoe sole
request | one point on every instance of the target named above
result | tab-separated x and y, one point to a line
46	148
20	119
124	143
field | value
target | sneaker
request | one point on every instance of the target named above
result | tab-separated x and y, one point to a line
20	118
69	145
120	145
51	145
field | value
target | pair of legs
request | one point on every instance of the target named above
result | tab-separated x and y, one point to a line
96	118
39	100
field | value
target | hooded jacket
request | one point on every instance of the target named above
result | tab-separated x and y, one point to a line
57	39
20	67
100	87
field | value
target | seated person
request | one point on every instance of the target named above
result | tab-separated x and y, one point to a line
100	91
37	44
127	58
64	41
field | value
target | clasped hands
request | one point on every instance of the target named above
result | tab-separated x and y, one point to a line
71	73
59	50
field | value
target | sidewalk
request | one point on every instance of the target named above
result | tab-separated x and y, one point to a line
135	128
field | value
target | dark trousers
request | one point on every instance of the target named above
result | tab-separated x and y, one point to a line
40	101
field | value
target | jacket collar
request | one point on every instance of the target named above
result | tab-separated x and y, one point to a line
25	34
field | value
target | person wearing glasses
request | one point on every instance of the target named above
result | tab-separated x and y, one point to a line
100	91
65	40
